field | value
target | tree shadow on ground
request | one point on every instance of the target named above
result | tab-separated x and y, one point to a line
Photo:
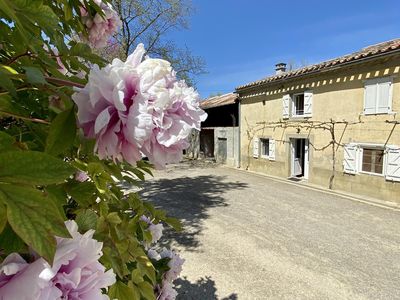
203	288
188	199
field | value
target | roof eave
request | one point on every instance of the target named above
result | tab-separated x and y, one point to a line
328	69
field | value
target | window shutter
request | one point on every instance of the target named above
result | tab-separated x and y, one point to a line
256	142
308	99
271	154
370	95
286	104
350	159
393	164
384	97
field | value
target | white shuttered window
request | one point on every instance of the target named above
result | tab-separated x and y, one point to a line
378	96
271	155
256	142
350	159
286	100
372	159
308	100
298	105
393	164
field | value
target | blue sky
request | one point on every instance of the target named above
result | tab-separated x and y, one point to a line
242	40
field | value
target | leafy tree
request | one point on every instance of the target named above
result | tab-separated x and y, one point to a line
149	22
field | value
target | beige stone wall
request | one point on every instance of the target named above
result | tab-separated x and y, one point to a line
337	95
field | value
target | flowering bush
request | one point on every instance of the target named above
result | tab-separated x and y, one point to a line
67	228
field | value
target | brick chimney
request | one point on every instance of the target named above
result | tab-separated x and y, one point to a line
280	68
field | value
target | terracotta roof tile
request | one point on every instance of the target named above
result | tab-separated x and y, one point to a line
219	101
370	51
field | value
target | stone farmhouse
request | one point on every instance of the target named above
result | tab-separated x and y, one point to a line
334	124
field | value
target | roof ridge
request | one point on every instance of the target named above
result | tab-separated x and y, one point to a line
370	50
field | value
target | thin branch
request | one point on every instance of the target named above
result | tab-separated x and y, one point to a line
13	59
34	120
63	82
18	90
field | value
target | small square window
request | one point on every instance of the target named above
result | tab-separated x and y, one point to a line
264	147
372	160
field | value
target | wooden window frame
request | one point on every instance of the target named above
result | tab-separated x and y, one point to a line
361	154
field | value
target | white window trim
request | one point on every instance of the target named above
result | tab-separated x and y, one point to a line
375	81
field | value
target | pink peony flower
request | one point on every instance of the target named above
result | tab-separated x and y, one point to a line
175	264
23	281
138	107
101	28
76	273
167	291
156	230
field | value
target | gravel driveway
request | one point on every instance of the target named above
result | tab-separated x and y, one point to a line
251	237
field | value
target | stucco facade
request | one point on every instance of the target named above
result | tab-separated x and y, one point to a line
226	149
338	108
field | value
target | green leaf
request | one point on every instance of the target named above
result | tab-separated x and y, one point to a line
6	142
121	291
147	236
6	83
67	12
175	223
84	193
62	132
146	290
145	166
137	276
113	218
34	217
139	174
7	7
37	14
34	75
3	217
86	220
34	168
58	196
146	267
111	258
10	242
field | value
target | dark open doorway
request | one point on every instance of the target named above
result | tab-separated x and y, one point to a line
207	142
